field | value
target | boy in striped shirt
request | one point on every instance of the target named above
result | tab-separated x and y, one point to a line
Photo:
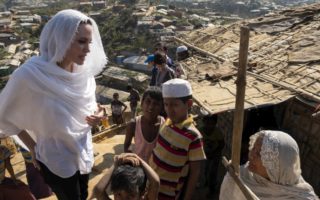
179	149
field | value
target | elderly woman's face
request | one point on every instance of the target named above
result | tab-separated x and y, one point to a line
80	46
255	163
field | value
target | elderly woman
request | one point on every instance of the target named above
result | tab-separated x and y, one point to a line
52	96
272	172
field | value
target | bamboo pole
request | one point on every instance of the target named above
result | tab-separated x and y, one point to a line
240	98
99	136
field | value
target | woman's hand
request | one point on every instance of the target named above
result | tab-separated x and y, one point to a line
94	120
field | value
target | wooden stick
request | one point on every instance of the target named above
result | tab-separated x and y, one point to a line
237	180
102	134
240	97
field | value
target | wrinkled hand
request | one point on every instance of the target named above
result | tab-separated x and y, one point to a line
127	158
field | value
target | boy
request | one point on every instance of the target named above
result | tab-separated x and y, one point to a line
179	149
133	98
165	73
162	47
145	128
116	108
128	180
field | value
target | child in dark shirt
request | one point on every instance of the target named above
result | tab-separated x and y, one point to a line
117	108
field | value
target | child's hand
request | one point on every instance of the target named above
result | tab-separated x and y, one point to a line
127	158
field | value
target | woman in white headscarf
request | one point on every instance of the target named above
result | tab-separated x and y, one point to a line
51	98
273	171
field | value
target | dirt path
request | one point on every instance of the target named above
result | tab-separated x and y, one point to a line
107	149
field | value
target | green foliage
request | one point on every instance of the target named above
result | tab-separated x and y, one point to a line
183	22
118	33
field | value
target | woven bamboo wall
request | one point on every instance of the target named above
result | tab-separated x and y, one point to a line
306	131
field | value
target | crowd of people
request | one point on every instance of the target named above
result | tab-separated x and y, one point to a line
49	108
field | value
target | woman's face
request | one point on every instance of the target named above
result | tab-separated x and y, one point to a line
80	46
255	163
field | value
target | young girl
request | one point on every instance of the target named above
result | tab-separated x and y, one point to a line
145	128
116	108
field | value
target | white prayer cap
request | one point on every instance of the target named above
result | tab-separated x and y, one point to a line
176	88
182	49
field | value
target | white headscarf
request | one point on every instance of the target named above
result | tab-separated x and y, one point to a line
58	34
52	102
280	156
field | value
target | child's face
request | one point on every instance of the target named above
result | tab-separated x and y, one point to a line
116	97
123	195
176	110
151	107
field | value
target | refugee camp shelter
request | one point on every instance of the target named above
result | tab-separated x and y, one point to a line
283	78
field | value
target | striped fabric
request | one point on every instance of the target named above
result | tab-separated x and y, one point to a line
176	146
26	155
4	154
